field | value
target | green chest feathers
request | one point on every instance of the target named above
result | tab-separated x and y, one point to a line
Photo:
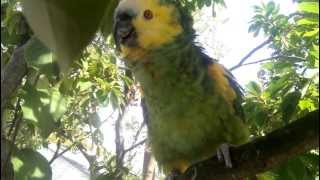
188	118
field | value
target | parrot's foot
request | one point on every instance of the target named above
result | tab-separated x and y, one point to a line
223	153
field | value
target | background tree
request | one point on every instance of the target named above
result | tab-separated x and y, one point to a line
57	74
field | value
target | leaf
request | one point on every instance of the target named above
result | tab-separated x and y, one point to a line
39	57
84	85
107	22
294	170
105	177
277	85
315	51
311	7
289	105
307	104
30	165
253	88
270	8
43	107
66	27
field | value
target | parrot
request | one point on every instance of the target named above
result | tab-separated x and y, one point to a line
193	103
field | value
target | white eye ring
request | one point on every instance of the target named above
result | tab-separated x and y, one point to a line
147	14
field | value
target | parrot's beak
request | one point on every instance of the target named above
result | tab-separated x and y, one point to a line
123	31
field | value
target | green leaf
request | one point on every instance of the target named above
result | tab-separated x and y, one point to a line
105	177
294	170
43	107
39	57
84	85
30	165
107	22
311	7
315	51
270	8
66	27
277	85
307	104
289	105
253	88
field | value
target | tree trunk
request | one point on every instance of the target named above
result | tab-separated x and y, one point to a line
149	164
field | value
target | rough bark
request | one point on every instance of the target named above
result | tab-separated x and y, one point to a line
262	154
11	76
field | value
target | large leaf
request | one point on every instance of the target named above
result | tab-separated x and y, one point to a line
64	26
295	169
107	22
30	165
39	57
43	107
289	105
253	88
311	7
277	85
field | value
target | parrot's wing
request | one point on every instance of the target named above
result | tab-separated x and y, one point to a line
234	85
239	93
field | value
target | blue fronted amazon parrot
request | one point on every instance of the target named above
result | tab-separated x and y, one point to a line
193	103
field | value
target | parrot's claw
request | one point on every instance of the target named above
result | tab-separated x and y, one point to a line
223	153
194	176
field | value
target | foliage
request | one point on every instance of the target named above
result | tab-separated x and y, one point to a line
30	165
289	86
68	80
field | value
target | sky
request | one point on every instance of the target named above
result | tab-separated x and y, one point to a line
224	37
229	30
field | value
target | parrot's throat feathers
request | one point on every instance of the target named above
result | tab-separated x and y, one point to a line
174	66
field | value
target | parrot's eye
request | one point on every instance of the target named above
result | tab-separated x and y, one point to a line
148	14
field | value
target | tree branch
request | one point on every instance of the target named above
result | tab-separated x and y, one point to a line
246	57
134	146
11	76
262	154
295	58
56	153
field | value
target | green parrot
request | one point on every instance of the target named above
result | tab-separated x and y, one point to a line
193	104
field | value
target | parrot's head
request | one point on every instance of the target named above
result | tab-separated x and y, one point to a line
141	26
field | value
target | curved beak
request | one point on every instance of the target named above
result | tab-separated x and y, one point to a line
123	31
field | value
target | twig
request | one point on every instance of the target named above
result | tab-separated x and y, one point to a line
110	115
263	153
136	136
297	59
55	155
15	133
15	117
252	52
134	146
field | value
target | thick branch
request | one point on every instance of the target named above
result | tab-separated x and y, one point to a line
263	153
12	75
246	57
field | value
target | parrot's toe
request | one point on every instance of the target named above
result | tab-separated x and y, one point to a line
223	153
